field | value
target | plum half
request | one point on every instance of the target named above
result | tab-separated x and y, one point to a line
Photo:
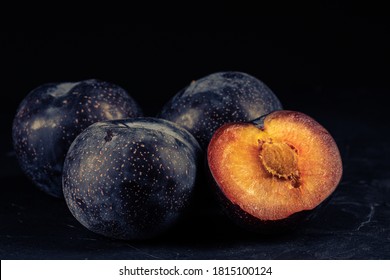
272	172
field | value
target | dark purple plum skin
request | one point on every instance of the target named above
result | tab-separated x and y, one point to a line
219	98
52	115
131	179
265	227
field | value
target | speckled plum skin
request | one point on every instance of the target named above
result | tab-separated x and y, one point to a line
223	97
50	118
131	179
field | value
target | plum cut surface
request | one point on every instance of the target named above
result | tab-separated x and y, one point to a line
288	165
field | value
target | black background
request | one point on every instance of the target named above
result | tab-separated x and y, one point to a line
331	63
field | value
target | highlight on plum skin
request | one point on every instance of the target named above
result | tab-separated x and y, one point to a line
274	173
131	179
216	99
51	116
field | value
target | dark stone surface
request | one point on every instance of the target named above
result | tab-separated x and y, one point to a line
329	65
354	225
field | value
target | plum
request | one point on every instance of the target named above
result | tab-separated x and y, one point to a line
52	115
131	179
219	98
272	173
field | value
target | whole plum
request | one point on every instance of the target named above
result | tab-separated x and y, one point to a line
52	115
131	179
219	98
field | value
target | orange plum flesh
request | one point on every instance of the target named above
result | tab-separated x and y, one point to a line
290	164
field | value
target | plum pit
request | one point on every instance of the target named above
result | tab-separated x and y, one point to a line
280	160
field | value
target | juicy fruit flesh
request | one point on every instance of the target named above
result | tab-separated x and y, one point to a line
290	165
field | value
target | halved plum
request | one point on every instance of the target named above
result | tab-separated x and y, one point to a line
270	175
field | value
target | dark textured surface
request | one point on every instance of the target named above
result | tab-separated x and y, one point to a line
329	63
354	225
